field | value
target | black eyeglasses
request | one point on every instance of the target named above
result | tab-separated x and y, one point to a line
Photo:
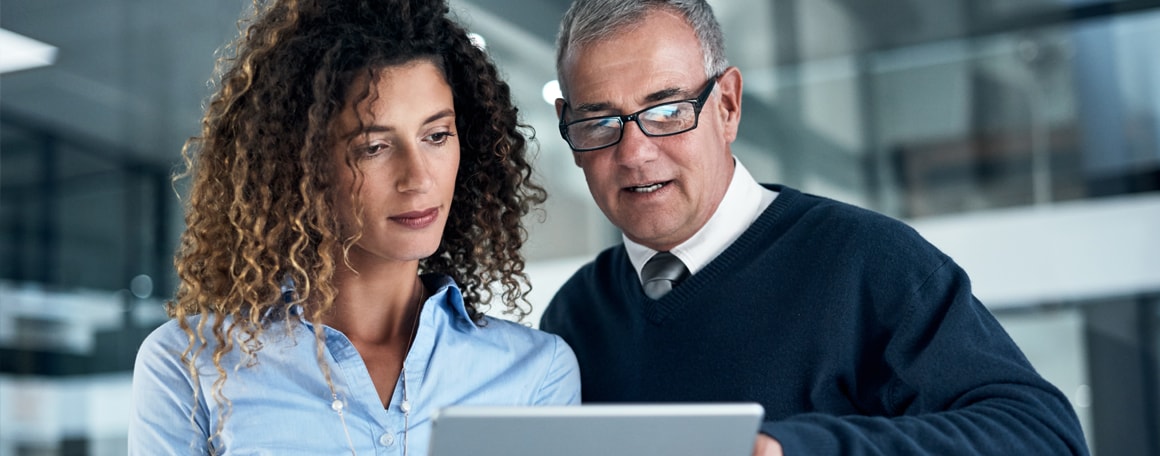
665	119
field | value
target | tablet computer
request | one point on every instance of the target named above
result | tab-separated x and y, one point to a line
701	429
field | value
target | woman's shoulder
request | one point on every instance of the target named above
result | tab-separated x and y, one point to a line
546	354
516	335
173	335
161	352
509	328
170	333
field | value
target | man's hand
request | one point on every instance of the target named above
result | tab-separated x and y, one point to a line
766	446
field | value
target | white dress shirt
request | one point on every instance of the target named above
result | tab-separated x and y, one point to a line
744	200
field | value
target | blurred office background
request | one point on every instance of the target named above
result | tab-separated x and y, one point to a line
1020	136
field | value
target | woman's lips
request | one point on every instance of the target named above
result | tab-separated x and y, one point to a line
417	219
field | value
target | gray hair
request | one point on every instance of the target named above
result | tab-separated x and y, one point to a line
589	21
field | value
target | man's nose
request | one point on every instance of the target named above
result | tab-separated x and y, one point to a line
635	147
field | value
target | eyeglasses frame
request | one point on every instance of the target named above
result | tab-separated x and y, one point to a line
698	104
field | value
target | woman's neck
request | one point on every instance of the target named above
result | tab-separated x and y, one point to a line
377	307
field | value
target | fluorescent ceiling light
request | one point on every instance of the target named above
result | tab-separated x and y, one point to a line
551	91
477	40
19	52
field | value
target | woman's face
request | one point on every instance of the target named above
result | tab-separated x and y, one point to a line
401	141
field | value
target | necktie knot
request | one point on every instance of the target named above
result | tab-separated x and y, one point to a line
661	273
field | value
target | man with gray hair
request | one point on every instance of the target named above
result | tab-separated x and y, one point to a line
855	334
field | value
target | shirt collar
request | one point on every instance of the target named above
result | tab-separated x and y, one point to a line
744	201
449	294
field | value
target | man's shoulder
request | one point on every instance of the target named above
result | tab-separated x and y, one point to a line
825	218
601	269
823	209
578	292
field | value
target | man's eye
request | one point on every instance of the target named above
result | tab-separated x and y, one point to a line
598	126
607	122
663	112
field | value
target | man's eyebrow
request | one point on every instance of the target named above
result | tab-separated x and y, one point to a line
592	107
655	97
662	95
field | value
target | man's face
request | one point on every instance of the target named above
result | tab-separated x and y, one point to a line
658	190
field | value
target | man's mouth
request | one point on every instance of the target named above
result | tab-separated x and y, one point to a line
647	188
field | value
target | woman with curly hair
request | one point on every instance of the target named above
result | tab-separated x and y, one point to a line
356	197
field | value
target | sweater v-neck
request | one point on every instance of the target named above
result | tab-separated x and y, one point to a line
764	230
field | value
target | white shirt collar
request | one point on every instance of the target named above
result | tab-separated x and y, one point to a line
744	201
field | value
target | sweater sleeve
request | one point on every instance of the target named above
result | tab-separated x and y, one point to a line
960	387
163	399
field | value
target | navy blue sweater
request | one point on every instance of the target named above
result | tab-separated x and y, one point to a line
856	335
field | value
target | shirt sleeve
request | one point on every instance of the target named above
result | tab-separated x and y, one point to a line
164	418
561	385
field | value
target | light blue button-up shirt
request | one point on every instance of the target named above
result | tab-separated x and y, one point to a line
282	405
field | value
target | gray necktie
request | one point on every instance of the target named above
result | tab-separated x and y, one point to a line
661	273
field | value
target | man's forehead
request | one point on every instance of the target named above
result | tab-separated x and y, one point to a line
599	83
611	85
652	59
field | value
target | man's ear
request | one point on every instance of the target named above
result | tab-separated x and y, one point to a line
560	116
729	83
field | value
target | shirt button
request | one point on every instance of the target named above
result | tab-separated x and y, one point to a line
387	439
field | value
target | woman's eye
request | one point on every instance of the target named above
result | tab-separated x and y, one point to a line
441	137
374	149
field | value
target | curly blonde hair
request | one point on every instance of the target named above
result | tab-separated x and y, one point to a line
260	206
